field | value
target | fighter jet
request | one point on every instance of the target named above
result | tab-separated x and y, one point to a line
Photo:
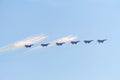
87	41
101	41
60	43
75	42
45	45
28	46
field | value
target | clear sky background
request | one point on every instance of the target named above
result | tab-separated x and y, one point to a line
87	19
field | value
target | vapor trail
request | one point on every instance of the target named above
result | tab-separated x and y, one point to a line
66	39
29	40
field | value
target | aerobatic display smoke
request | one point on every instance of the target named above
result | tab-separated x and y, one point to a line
66	39
27	41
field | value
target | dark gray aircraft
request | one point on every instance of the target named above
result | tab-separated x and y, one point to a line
87	41
60	43
75	42
45	45
101	41
28	46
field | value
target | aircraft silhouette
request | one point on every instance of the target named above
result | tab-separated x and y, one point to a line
28	46
60	43
45	45
75	42
87	41
101	41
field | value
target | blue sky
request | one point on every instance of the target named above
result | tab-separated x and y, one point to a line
87	19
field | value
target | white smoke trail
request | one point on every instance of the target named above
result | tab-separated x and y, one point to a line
29	40
66	39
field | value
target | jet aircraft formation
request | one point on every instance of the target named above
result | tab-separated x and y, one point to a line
61	43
